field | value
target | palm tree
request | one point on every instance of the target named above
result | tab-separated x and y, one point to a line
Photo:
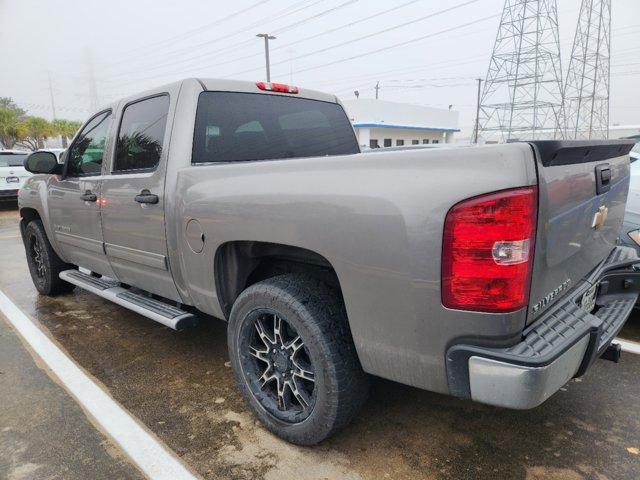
66	129
12	129
38	129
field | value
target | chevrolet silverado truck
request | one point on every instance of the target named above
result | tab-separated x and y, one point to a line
491	273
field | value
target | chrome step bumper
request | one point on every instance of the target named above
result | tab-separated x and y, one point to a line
159	311
559	346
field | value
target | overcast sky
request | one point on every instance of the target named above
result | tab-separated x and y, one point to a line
135	44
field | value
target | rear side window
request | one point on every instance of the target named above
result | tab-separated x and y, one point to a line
12	159
246	126
85	155
141	134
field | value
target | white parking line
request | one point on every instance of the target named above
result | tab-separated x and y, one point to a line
628	346
153	458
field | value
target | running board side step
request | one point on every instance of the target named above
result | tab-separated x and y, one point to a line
108	289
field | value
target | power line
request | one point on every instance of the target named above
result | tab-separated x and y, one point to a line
297	7
395	45
320	34
370	35
241	44
394	27
189	33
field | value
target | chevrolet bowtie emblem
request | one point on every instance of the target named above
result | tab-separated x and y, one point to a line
600	217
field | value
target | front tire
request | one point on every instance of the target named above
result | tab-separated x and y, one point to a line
293	357
44	263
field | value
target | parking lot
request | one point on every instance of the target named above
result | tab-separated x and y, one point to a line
180	387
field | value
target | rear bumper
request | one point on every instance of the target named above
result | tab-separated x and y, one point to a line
8	194
557	347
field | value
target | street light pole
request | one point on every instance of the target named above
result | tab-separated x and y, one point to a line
267	37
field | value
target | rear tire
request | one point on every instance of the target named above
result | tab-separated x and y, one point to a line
44	263
314	382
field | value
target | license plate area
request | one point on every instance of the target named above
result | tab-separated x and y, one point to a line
588	301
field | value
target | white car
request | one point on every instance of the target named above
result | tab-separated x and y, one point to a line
56	151
12	173
634	154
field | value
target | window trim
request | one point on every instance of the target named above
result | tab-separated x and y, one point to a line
231	162
115	146
65	168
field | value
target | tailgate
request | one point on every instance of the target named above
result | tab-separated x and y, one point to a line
582	198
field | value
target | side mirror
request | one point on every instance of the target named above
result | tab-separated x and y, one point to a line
42	162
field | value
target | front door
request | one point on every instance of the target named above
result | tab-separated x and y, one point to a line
74	206
133	199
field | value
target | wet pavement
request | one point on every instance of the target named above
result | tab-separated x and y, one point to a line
43	432
180	386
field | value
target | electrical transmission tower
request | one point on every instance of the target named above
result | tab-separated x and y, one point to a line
522	94
586	95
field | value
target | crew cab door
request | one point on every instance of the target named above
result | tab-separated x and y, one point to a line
74	197
133	198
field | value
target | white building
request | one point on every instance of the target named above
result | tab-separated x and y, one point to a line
624	131
379	123
615	131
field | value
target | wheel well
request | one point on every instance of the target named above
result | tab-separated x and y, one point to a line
29	214
240	264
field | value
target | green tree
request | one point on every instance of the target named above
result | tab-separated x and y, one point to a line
11	117
9	104
66	129
12	129
37	130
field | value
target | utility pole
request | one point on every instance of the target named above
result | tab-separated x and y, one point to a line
377	89
475	128
53	103
93	89
267	37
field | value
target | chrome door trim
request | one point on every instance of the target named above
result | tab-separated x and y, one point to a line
85	243
148	259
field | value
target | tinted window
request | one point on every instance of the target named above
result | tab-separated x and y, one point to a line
141	134
387	142
245	126
85	155
12	159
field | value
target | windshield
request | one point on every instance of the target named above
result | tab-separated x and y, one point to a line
12	159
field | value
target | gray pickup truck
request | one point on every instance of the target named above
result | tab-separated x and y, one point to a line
490	273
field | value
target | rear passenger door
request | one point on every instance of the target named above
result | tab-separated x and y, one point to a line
133	197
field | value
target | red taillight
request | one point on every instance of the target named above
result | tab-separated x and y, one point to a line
277	87
487	251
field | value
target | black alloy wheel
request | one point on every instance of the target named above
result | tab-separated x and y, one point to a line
277	364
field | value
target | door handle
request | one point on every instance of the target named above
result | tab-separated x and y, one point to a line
146	197
88	196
